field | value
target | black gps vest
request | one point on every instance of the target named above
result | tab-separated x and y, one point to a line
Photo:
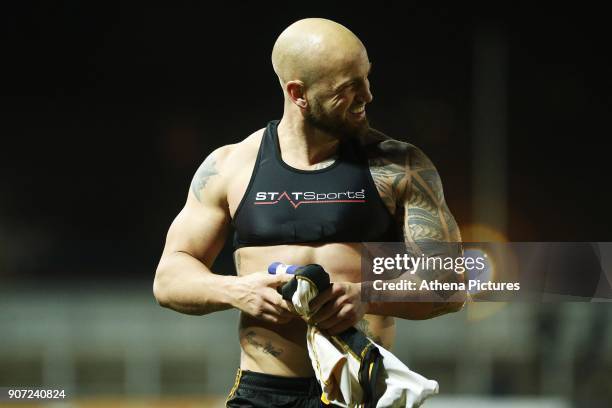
284	205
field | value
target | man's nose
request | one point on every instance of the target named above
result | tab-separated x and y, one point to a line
369	97
366	94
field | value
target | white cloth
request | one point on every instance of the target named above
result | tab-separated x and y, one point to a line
337	369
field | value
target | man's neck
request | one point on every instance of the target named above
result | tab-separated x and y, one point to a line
302	145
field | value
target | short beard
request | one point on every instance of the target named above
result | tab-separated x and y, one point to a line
321	120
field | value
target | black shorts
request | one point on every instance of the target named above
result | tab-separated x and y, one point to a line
252	389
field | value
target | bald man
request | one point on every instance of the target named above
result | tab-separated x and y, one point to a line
306	189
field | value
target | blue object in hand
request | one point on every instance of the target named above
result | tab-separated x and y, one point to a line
278	268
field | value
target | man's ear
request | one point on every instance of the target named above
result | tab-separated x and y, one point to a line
297	93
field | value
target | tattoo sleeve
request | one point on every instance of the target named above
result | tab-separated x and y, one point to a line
390	179
429	227
406	179
427	218
410	186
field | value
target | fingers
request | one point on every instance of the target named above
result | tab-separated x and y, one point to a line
284	310
328	310
272	313
261	300
272	297
277	319
290	307
330	322
278	280
334	291
348	315
269	307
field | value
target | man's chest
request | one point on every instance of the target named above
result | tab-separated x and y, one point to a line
273	192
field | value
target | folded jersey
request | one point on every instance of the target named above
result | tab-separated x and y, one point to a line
353	370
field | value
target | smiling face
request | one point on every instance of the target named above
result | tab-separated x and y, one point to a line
336	103
323	68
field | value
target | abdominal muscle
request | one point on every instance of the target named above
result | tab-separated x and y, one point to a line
280	349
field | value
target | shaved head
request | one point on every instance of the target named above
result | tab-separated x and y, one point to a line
311	48
323	70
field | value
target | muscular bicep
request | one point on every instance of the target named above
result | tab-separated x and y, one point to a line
410	185
200	229
431	230
427	219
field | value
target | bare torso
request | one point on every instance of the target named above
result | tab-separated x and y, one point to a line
280	349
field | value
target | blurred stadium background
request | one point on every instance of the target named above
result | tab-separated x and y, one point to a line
110	343
109	109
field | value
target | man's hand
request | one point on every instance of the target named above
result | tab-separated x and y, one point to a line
256	295
340	307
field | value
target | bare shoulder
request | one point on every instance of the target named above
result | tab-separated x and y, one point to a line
406	178
384	150
223	163
232	156
387	160
394	165
249	146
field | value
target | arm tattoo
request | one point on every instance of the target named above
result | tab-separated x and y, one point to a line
206	170
409	182
389	178
267	348
422	220
405	177
427	218
429	227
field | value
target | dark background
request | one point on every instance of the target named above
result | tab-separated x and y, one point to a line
109	109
